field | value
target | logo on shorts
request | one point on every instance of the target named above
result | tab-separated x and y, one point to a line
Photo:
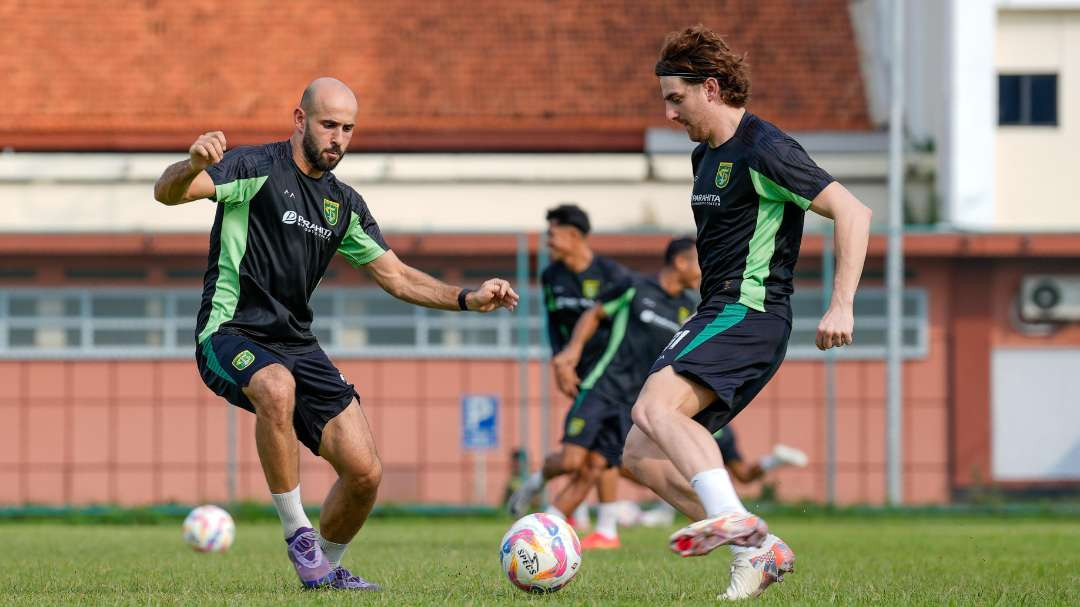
590	287
331	210
243	360
723	174
576	426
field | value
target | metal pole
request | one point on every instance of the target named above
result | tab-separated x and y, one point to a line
230	453
523	347
545	374
827	273
895	261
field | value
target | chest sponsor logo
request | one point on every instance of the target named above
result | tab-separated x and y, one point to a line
294	218
243	360
723	174
650	317
331	210
590	287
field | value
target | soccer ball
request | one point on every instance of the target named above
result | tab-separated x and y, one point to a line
209	529
540	553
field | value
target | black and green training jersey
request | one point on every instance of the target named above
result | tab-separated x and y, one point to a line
275	232
567	295
750	195
644	318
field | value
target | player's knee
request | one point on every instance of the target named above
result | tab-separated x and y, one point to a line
643	414
364	480
572	460
273	395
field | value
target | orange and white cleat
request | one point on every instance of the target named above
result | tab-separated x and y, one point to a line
700	538
755	570
599	541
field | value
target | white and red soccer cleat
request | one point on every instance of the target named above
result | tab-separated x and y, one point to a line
700	538
755	570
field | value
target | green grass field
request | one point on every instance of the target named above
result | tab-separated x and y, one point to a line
889	560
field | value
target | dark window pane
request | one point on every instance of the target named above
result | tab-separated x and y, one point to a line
391	336
1008	99
1043	99
127	337
185	338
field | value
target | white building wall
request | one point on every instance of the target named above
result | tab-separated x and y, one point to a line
1036	165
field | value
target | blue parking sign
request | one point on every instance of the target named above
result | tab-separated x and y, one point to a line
479	422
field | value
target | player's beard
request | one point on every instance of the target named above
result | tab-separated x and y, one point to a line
314	155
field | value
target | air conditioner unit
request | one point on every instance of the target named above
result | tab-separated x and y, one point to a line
1050	297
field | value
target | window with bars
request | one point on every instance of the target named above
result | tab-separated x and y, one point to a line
361	322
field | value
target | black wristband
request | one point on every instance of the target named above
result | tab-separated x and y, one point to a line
461	299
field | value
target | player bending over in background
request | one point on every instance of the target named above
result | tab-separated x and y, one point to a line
281	217
752	186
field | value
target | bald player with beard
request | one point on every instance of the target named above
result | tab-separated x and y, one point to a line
281	217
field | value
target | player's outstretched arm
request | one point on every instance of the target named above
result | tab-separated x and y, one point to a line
851	235
188	180
409	284
565	362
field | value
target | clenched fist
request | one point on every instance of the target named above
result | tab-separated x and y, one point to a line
208	149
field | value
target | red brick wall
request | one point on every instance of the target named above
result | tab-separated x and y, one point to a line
486	74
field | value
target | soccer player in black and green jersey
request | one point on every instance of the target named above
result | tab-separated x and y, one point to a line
574	281
281	217
752	185
645	312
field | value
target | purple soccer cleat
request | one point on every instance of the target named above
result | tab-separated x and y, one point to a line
306	555
343	579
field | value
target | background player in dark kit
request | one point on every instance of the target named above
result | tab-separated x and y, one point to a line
645	313
574	281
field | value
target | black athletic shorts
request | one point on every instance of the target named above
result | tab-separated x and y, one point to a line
598	424
730	348
227	363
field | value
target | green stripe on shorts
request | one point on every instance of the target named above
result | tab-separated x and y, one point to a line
728	317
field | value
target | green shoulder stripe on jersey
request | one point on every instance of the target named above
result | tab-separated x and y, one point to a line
727	318
613	306
238	192
357	246
213	363
767	188
618	332
762	246
232	245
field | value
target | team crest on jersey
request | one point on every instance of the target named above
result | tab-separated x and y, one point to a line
590	287
576	426
331	210
723	174
684	313
243	360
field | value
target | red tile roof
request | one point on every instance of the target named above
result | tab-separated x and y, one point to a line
434	74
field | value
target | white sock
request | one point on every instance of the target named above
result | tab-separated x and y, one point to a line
332	550
553	511
769	462
716	492
535	482
607	519
291	511
581	515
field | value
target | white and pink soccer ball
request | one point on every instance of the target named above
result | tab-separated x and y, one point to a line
540	553
209	529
